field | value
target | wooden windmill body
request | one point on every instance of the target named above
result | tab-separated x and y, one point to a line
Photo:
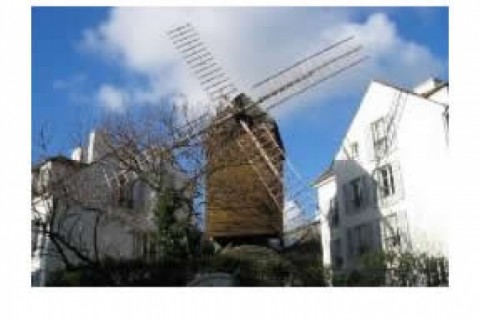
240	207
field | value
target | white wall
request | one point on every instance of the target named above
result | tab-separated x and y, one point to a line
423	152
420	152
328	190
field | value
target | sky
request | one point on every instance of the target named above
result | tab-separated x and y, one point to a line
88	62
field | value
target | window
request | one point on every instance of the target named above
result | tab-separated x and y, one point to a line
354	150
125	192
334	213
336	253
360	239
356	192
385	180
391	232
379	134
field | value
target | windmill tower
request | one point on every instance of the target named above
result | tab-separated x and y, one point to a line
240	208
250	180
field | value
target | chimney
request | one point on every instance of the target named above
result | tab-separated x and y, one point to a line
97	146
77	154
427	86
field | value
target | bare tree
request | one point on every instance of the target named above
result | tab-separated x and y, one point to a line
72	201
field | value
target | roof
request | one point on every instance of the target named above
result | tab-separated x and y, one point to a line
436	89
248	108
325	174
329	171
423	96
59	159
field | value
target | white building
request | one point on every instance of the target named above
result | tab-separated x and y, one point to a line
386	187
100	211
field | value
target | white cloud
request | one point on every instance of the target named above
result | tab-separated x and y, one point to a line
112	98
251	43
74	87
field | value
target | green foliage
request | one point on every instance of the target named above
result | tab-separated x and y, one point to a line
339	279
312	275
126	273
175	236
253	266
394	268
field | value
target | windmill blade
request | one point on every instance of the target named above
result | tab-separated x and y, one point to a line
309	84
309	72
297	78
298	63
210	75
280	87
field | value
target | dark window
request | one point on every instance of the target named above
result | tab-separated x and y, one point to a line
357	192
334	213
337	259
125	192
386	181
360	239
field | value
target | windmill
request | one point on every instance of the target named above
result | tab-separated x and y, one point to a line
251	186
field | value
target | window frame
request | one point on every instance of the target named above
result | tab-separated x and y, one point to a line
354	150
357	192
337	254
391	233
125	192
379	137
386	181
360	239
335	213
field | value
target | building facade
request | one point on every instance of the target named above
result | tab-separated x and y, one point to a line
385	185
97	210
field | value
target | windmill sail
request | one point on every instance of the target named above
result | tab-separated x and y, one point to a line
211	77
284	186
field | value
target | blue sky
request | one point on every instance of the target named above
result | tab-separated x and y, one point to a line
87	62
